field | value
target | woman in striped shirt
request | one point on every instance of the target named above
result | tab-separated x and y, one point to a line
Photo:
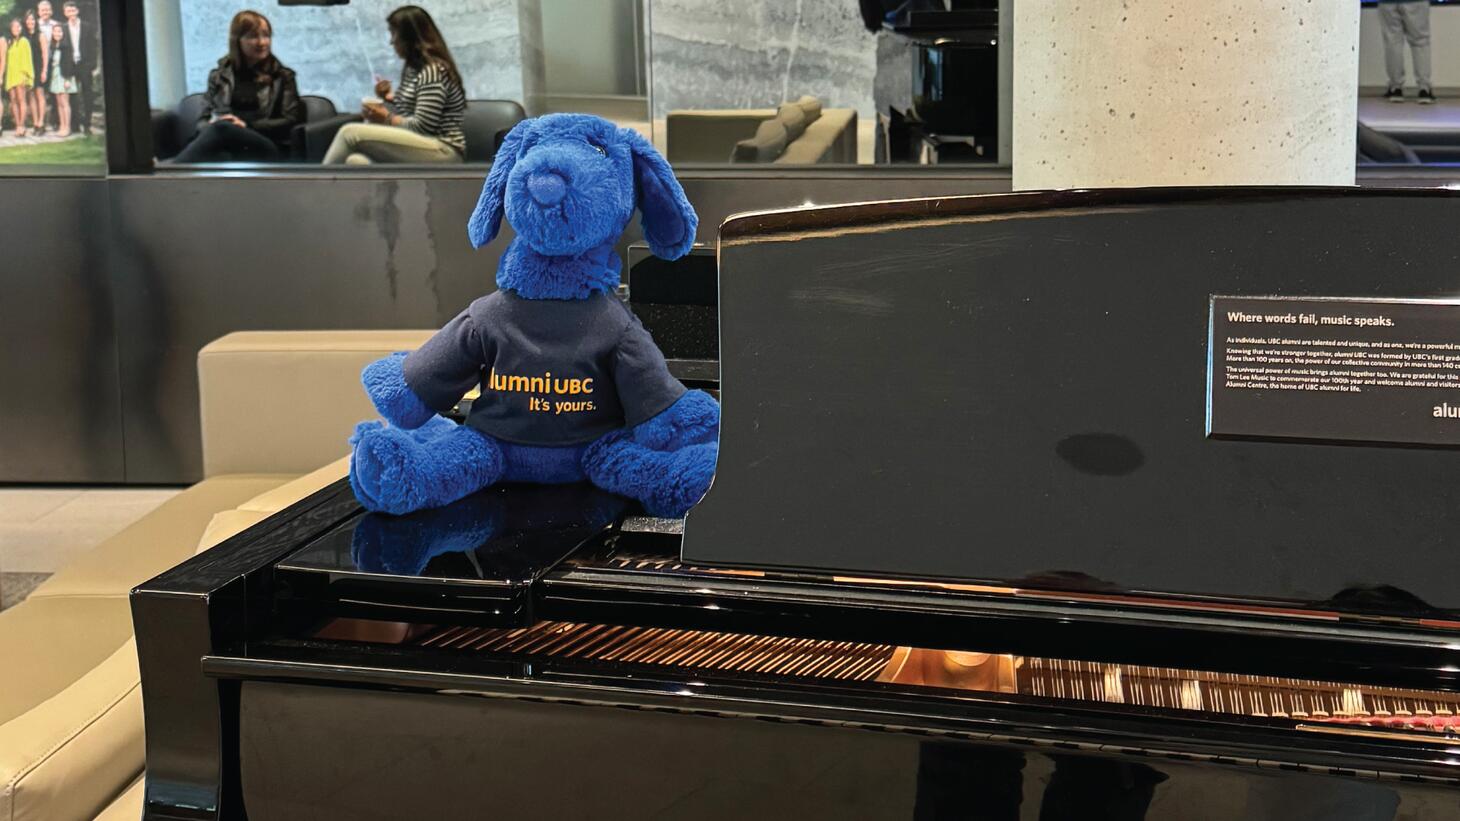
422	123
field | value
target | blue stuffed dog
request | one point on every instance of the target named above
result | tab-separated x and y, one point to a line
572	386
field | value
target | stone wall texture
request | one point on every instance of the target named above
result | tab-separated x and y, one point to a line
1150	92
759	53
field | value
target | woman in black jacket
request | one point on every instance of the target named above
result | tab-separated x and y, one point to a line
253	102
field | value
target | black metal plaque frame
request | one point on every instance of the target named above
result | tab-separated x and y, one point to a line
1327	369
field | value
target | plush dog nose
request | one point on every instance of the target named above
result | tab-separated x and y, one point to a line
547	187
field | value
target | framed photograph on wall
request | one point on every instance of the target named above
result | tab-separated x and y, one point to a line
51	108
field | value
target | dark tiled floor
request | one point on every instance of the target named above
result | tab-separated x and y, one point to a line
14	587
43	528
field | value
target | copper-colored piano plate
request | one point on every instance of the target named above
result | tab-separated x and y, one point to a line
1312	705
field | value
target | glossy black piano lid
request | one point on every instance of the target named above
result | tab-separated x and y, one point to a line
478	556
1012	389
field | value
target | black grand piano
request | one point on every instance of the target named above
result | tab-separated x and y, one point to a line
1009	523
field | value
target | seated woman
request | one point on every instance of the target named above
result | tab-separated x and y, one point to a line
253	102
425	125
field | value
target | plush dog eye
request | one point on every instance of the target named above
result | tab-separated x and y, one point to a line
600	149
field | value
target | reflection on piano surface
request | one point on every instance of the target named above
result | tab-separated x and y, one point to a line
499	534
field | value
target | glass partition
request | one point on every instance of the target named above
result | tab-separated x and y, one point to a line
51	114
816	82
372	82
1409	82
274	83
753	83
828	82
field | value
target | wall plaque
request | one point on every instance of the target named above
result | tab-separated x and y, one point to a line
1365	370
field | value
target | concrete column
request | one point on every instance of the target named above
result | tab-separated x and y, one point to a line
1151	92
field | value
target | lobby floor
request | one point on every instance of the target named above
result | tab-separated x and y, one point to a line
1382	115
42	528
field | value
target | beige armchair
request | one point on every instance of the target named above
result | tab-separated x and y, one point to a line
276	407
711	135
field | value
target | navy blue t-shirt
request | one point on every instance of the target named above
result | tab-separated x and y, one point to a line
552	371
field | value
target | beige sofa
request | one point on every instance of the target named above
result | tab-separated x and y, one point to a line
711	136
276	406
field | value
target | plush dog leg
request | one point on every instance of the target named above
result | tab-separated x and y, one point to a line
667	483
665	462
435	427
396	471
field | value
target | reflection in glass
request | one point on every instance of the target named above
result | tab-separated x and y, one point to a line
252	108
514	59
339	54
1407	63
418	121
904	81
726	76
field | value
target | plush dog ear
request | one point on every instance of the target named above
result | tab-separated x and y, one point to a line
486	220
668	220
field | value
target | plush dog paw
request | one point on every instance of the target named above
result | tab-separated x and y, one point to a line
398	471
684	483
381	468
363	428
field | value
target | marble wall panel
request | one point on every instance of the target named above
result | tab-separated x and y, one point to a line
758	53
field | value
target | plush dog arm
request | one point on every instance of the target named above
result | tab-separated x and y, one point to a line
385	382
694	418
